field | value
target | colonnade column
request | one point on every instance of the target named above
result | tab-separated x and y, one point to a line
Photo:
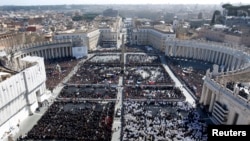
211	102
184	51
224	58
205	96
190	52
204	89
204	55
230	62
60	52
216	57
70	51
233	63
45	54
49	53
200	53
63	52
212	56
181	51
227	59
174	50
39	53
194	53
238	63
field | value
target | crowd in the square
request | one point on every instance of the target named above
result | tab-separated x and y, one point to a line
190	75
147	75
89	91
154	118
230	85
83	121
134	49
96	74
105	50
141	48
104	58
57	69
162	121
142	59
153	92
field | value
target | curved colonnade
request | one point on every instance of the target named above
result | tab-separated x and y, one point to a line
225	106
47	50
231	57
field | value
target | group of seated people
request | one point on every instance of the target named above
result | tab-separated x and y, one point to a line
230	85
83	121
192	78
162	121
142	59
145	49
96	74
104	58
153	92
134	49
57	69
147	75
91	91
105	50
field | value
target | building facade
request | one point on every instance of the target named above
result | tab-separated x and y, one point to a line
89	38
153	36
20	94
110	31
223	36
227	106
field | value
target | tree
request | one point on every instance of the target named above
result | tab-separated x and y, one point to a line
227	5
200	16
215	16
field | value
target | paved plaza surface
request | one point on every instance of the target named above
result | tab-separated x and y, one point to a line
104	99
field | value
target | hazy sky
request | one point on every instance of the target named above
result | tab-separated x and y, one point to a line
59	2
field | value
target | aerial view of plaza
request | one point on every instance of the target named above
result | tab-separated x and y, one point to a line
122	71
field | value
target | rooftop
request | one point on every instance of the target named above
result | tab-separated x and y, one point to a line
163	28
74	31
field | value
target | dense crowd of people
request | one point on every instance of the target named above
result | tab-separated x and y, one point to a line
96	74
135	59
104	58
105	50
189	74
91	91
153	92
57	69
230	85
147	75
85	121
141	48
135	49
154	118
244	90
162	121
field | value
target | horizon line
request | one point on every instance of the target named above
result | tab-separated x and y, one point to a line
124	4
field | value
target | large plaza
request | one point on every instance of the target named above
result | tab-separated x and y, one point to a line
105	100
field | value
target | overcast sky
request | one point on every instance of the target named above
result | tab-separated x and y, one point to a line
60	2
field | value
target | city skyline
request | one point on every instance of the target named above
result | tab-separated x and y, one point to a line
69	2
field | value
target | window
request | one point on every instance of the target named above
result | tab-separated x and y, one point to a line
236	116
38	93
